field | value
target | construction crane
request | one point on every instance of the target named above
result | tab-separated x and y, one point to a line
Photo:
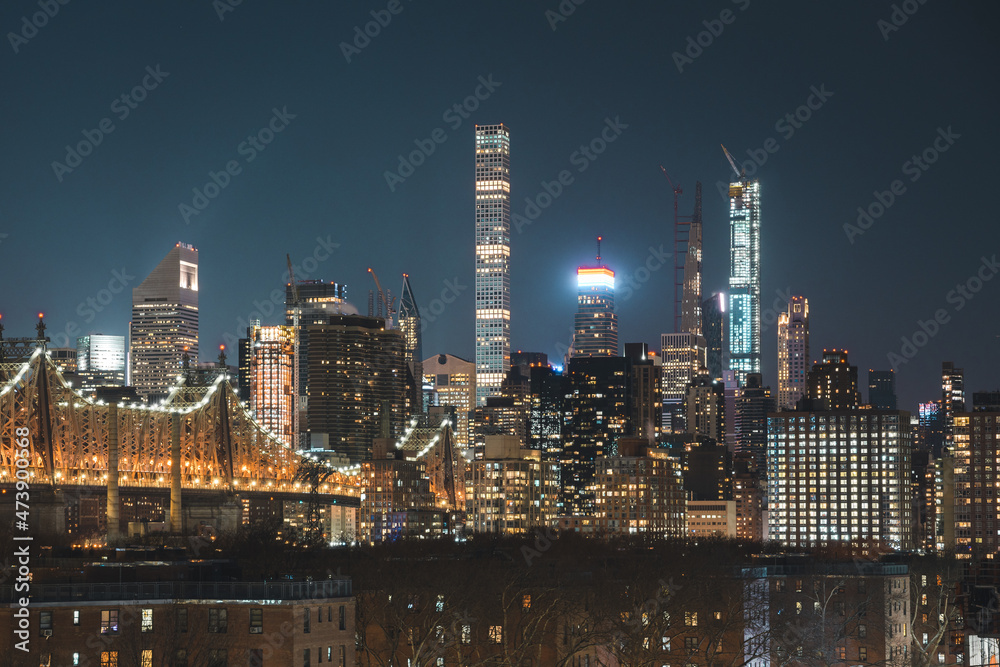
295	353
740	173
384	298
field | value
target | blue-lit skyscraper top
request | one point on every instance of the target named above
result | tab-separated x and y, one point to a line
744	278
492	259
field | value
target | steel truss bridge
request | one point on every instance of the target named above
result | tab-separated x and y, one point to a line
221	447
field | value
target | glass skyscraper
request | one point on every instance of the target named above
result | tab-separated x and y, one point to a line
492	259
164	323
100	361
744	278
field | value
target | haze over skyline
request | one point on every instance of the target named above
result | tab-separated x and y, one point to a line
340	118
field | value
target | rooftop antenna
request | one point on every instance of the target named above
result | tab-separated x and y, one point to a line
599	249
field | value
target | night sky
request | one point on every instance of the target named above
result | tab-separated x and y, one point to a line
887	90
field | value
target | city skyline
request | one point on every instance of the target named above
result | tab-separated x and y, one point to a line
805	248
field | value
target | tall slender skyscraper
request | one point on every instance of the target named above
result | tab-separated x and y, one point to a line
492	259
164	322
744	278
793	352
413	354
691	297
595	327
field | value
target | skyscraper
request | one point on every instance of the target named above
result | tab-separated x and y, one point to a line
164	323
713	325
598	409
595	327
356	374
683	356
952	398
691	295
409	325
492	259
793	352
100	361
272	380
453	383
744	278
882	389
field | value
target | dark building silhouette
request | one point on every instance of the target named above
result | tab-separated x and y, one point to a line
356	370
834	381
713	326
986	401
882	389
598	408
753	402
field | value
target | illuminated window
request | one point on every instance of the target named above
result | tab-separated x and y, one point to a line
146	658
109	624
109	659
147	620
496	634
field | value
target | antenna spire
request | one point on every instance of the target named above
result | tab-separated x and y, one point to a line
599	249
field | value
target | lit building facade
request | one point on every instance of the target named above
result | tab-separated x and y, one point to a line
952	398
744	278
793	352
356	372
639	491
413	353
510	490
682	357
976	484
691	320
595	327
453	382
492	259
840	478
272	380
164	323
397	501
100	361
597	415
834	382
711	518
